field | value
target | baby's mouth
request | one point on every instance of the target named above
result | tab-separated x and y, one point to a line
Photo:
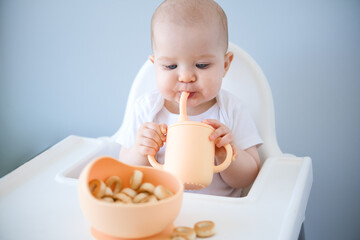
191	94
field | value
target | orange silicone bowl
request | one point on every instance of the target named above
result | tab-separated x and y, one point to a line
128	220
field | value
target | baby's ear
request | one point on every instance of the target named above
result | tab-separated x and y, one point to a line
151	58
228	59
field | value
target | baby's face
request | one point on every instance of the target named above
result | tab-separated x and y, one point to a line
191	59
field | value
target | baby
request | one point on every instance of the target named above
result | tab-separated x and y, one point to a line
189	43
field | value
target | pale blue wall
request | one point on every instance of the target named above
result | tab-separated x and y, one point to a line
66	68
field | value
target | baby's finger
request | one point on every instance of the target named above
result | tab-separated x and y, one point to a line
220	142
152	135
157	129
147	151
163	128
219	132
213	122
220	129
149	143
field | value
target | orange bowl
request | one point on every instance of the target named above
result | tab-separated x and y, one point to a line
128	220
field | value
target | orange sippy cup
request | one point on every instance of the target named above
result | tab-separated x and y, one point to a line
189	154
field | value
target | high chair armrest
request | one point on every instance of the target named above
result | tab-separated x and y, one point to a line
285	181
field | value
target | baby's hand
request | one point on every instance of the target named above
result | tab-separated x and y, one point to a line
150	138
222	136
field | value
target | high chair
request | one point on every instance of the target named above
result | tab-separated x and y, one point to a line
247	82
274	207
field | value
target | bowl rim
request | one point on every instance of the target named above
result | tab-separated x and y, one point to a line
176	195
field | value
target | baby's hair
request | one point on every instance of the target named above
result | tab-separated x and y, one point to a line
190	12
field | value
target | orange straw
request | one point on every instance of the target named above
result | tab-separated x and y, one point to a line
183	99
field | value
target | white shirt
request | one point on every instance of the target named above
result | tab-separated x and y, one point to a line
227	109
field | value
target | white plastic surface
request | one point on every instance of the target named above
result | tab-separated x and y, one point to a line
39	200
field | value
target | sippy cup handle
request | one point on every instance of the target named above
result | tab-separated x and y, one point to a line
154	163
226	163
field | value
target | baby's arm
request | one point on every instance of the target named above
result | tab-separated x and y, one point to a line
149	139
242	172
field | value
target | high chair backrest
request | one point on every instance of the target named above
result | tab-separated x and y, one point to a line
245	80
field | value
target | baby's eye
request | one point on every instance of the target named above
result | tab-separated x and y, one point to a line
171	67
202	65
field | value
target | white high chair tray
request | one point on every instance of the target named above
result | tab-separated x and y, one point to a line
39	200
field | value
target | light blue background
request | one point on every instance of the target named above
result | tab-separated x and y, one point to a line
66	68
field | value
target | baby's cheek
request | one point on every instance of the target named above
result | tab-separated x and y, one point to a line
167	91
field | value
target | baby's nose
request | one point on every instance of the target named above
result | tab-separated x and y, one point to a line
187	76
